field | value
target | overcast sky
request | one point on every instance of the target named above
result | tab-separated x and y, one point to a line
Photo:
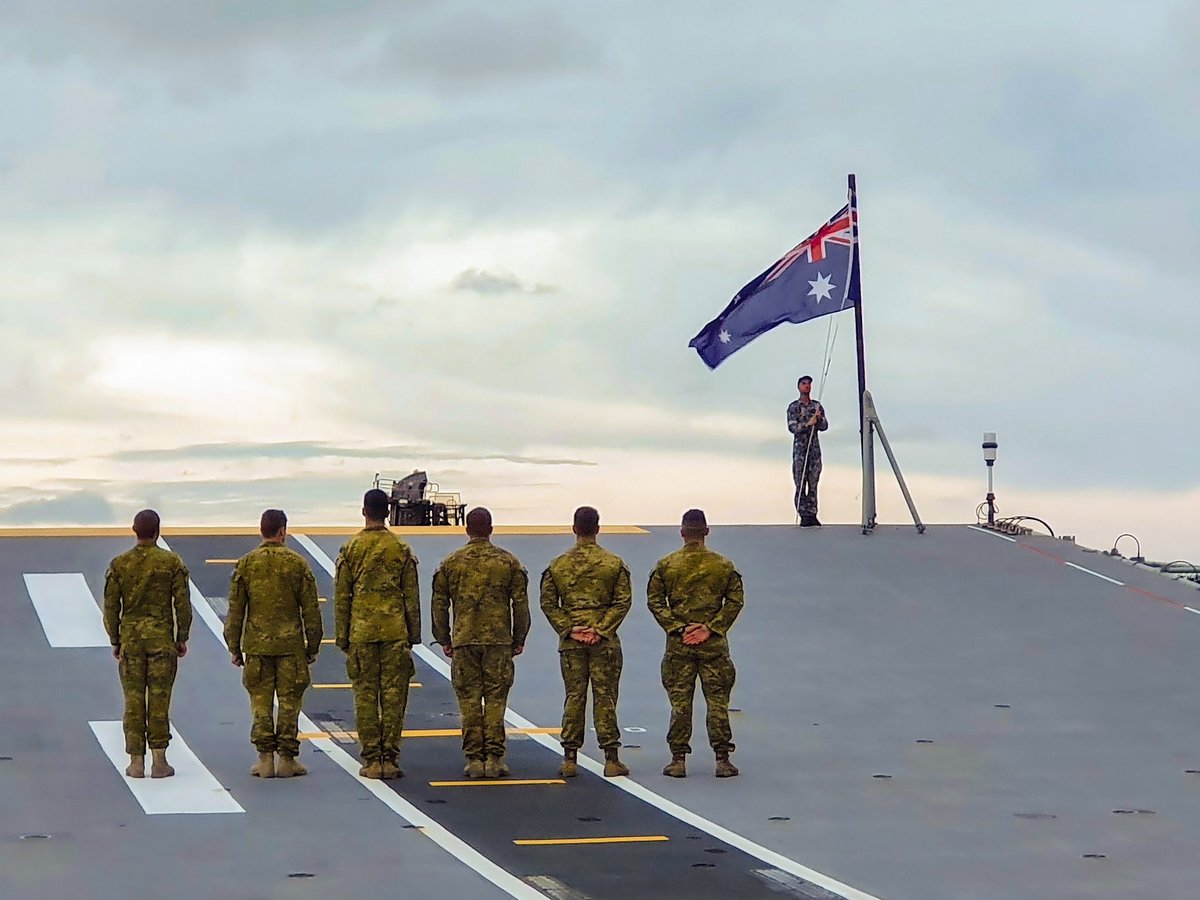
253	253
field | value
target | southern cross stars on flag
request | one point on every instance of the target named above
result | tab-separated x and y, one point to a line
811	280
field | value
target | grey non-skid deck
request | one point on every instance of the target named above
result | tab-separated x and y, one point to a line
1030	715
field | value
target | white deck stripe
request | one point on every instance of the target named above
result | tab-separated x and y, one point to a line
1189	609
436	832
1002	537
201	606
191	791
69	613
1097	574
630	786
451	843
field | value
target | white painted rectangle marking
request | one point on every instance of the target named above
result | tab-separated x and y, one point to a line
191	791
1097	574
69	613
1002	537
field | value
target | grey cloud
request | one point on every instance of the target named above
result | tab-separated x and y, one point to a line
459	45
74	507
485	282
215	47
132	32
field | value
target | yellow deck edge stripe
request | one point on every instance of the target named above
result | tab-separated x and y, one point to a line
220	562
421	733
346	687
550	842
500	782
313	530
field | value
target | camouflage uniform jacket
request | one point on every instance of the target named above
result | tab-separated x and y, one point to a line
147	603
489	590
695	584
273	604
798	414
587	585
376	597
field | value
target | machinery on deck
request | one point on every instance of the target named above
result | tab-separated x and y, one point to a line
415	500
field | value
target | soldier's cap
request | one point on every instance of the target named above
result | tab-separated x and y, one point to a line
807	378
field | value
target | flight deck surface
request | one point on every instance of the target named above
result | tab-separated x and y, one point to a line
1028	702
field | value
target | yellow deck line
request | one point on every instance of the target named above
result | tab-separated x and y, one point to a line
421	733
500	782
313	530
346	687
221	562
637	839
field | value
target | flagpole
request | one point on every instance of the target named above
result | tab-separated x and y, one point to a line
855	282
865	428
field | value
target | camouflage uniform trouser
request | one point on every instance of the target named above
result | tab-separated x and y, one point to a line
806	476
380	672
681	666
599	664
146	681
482	675
271	679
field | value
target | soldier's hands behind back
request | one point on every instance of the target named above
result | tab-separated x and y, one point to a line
697	635
585	634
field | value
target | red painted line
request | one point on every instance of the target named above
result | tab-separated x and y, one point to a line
1042	553
1153	596
1129	587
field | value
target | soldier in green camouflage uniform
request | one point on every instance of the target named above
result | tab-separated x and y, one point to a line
377	615
586	595
805	419
695	594
148	617
274	631
487	588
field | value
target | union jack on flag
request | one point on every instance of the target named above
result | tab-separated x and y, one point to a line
812	279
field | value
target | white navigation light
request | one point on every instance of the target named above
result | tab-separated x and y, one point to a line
989	457
989	447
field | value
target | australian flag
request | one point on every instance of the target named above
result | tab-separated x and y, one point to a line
817	277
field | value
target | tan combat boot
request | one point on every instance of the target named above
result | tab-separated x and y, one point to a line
613	767
289	767
391	771
158	766
569	768
265	767
372	769
474	768
677	767
495	767
137	767
725	769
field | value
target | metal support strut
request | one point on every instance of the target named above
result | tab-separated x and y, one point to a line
871	425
